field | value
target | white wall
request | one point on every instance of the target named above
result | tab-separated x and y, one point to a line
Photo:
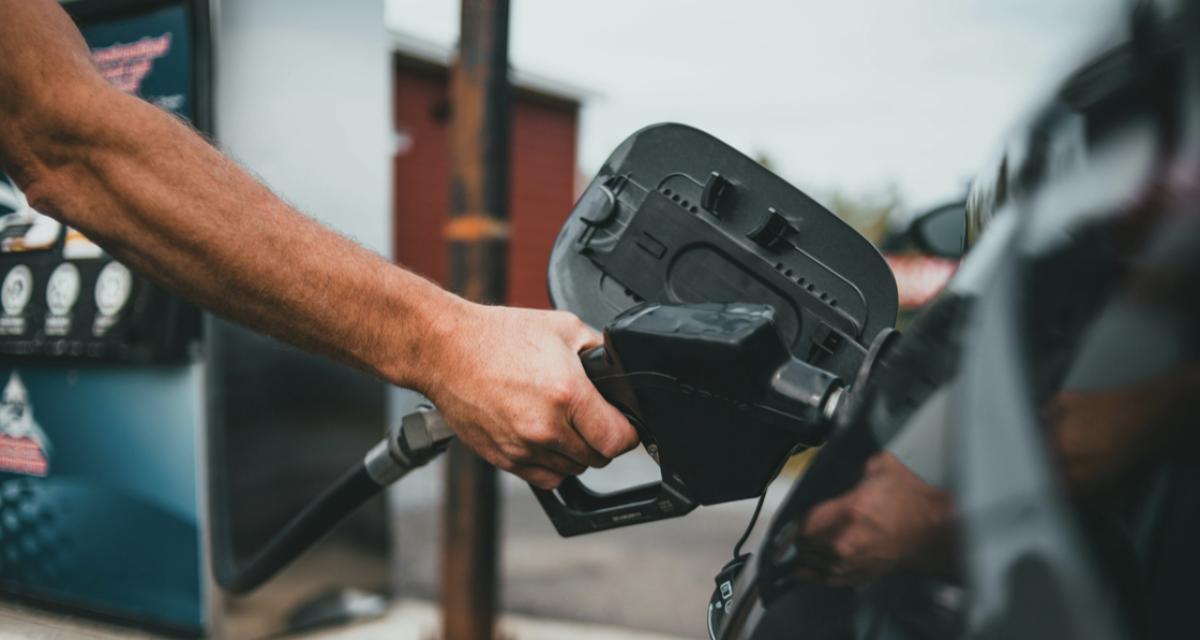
303	100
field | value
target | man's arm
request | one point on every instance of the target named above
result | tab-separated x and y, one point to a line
161	199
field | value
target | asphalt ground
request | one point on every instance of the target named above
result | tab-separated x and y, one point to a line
655	577
403	620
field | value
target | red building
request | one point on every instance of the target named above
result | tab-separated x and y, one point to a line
542	189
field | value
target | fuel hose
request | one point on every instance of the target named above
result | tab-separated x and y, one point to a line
419	437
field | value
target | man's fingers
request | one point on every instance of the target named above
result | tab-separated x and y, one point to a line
603	427
558	463
814	555
540	477
582	337
825	519
569	444
590	340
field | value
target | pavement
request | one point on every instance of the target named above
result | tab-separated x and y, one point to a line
648	582
416	620
655	577
405	620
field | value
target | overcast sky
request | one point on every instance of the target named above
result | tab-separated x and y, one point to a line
847	94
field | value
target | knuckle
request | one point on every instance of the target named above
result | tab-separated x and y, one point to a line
565	389
547	481
857	509
561	395
610	448
516	453
574	330
568	319
543	435
845	548
616	440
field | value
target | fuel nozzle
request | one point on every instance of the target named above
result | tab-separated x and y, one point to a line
719	402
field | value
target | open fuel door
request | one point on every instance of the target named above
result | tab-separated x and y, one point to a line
736	309
677	216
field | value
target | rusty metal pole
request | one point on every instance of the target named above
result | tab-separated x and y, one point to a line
477	233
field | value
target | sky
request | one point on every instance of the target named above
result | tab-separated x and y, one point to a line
850	95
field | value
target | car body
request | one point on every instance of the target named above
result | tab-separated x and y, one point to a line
1073	312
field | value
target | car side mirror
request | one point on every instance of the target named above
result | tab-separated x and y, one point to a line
941	231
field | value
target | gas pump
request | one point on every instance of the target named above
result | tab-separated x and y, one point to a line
103	387
127	416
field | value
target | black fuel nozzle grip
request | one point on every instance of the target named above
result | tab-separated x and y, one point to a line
717	400
613	384
596	364
575	509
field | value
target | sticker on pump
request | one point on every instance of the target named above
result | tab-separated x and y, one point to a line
77	246
62	291
22	228
15	292
24	447
113	287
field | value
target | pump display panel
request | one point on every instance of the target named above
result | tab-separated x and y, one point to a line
101	399
61	295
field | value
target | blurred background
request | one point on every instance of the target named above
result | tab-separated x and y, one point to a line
879	110
866	104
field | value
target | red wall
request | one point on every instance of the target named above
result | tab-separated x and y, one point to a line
541	190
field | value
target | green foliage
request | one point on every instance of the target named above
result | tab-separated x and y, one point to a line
868	212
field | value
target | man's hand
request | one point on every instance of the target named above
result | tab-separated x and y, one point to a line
161	199
511	385
891	520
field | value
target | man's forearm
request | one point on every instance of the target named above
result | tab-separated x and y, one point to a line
157	196
160	198
140	178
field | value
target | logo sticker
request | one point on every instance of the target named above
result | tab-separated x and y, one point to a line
22	228
24	447
126	64
61	293
113	286
14	296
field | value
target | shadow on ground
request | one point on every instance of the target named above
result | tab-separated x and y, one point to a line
656	576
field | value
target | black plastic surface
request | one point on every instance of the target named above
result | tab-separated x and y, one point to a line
677	216
716	398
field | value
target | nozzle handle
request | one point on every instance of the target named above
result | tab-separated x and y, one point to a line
575	509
